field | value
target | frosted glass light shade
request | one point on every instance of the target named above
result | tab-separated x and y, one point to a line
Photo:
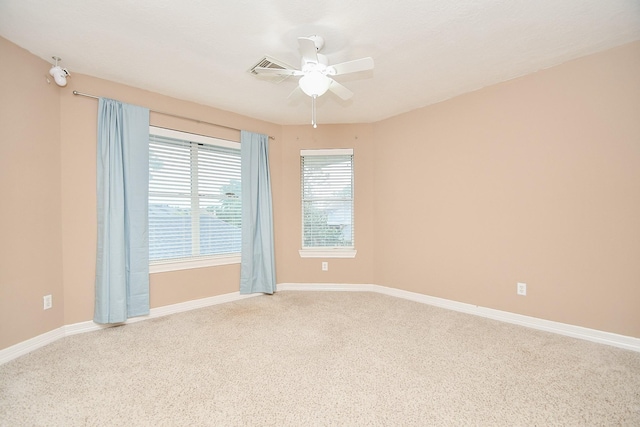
314	83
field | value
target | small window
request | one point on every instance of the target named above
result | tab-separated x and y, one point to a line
327	203
194	201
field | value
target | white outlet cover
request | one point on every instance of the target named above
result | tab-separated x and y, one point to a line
521	288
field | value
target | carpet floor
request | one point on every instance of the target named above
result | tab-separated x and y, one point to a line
325	359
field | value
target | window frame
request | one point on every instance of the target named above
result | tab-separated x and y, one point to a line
174	264
328	252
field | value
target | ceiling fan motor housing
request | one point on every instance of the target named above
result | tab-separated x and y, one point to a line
318	41
321	65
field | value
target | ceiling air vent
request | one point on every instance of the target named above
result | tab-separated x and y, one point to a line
268	62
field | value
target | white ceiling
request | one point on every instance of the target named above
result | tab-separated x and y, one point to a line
425	51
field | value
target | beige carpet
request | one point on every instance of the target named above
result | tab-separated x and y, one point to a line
321	358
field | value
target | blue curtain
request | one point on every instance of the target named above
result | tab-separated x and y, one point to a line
257	269
122	261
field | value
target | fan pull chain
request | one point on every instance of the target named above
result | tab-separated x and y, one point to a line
313	111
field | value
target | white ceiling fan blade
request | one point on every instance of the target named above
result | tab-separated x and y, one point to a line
296	92
308	50
278	71
354	66
340	90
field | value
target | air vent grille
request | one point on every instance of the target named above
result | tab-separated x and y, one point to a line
268	62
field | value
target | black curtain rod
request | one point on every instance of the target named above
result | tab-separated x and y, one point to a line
75	92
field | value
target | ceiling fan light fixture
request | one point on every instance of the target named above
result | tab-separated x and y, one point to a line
314	83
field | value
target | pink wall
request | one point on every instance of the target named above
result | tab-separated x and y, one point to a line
534	180
291	268
30	235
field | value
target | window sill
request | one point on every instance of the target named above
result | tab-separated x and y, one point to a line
161	267
327	253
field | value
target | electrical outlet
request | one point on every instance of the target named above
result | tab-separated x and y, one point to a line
47	302
325	266
522	288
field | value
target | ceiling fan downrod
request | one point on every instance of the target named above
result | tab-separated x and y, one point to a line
313	111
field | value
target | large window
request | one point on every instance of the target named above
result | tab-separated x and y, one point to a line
327	203
194	200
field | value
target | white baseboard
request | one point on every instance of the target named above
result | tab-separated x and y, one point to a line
601	337
35	343
29	345
594	335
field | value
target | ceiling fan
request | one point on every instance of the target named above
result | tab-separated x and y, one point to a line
316	74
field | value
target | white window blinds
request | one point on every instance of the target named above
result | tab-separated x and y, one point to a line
194	196
327	198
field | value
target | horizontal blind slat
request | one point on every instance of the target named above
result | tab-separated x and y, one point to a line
327	200
183	223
